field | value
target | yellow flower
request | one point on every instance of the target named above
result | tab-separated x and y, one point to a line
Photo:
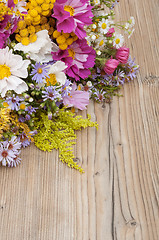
63	46
25	41
56	34
61	40
33	13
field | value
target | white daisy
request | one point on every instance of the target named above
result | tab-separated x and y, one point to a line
131	32
56	73
100	42
104	25
96	2
118	41
41	49
12	69
131	22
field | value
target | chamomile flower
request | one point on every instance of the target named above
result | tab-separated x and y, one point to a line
131	32
100	42
118	41
96	2
131	22
104	25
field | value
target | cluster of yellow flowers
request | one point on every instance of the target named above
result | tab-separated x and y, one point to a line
4	120
64	39
5	10
8	119
38	18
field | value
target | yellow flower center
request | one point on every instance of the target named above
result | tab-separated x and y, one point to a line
69	9
40	70
8	26
101	43
4	71
5	104
22	106
51	80
104	25
117	41
71	53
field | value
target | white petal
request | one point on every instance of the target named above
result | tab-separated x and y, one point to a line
61	77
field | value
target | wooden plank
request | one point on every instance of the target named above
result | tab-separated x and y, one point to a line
118	196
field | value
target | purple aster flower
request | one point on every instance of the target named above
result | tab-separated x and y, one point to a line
131	69
117	79
16	161
98	95
21	118
27	117
14	102
14	144
25	141
39	72
50	115
51	93
6	155
31	109
66	88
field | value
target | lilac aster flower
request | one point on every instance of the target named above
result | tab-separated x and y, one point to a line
21	118
6	155
14	144
16	161
39	72
14	102
66	88
118	79
51	93
31	109
24	140
27	117
132	69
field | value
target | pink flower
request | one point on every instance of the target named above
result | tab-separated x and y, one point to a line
72	16
122	54
76	98
110	32
79	57
111	65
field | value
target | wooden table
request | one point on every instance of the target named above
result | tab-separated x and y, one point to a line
118	196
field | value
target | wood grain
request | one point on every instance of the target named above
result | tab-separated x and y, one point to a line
118	196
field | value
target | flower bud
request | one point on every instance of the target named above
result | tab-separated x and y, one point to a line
111	65
110	32
122	54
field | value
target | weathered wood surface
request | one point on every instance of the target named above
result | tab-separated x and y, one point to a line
118	196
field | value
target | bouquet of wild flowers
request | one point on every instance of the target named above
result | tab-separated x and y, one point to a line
54	56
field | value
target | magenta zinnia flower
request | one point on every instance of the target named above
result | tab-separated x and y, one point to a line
72	16
79	57
76	98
